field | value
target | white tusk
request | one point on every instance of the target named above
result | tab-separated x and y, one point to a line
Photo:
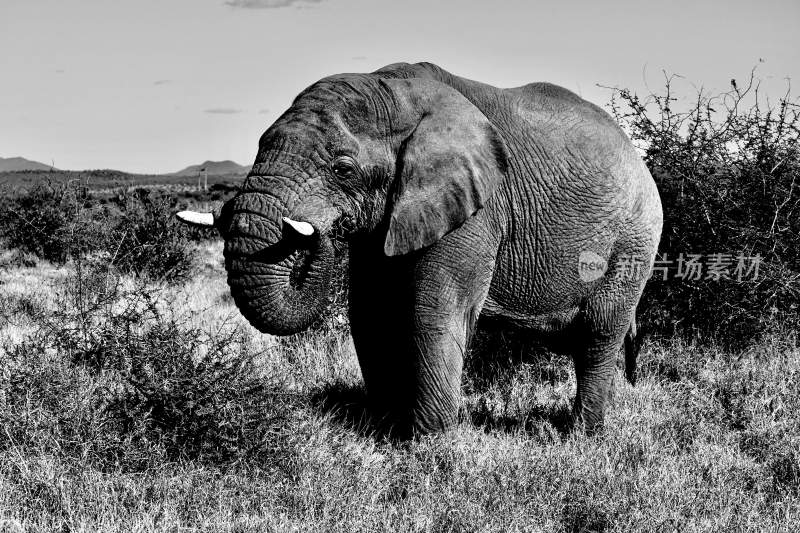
196	219
303	228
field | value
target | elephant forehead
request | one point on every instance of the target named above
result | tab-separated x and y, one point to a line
368	143
307	145
361	102
305	140
298	126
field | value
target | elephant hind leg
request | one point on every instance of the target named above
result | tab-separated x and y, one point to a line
608	325
631	353
595	366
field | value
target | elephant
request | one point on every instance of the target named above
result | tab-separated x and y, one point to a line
528	206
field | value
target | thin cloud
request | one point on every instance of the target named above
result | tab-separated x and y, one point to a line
162	82
267	4
222	111
263	111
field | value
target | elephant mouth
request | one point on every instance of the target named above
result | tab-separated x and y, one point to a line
301	261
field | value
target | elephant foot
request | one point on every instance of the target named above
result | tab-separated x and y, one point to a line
405	425
587	420
389	420
438	424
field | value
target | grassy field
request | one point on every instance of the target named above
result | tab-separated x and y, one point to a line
707	441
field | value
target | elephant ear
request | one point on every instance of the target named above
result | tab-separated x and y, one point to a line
447	168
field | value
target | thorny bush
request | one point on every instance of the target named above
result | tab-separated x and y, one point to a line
114	378
134	231
727	167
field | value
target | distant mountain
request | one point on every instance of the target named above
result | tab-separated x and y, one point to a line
213	168
16	164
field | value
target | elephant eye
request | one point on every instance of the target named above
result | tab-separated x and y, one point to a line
343	167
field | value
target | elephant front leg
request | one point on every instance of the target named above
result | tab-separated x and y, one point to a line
410	321
412	364
382	324
439	345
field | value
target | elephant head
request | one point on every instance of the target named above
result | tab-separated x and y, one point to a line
404	159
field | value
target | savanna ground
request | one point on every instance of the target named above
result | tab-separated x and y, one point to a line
134	397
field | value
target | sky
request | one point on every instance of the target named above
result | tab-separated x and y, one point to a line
152	86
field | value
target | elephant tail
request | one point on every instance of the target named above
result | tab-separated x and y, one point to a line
632	346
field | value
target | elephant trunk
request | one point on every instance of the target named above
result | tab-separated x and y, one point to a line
279	276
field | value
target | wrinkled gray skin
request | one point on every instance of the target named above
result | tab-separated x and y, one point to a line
459	200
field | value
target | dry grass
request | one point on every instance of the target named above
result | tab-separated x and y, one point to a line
708	441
